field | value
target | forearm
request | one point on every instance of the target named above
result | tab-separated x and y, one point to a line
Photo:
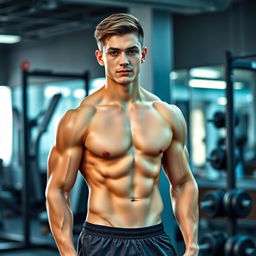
61	222
185	207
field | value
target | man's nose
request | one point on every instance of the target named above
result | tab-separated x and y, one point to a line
124	59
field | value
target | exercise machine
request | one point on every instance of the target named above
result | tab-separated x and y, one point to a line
15	243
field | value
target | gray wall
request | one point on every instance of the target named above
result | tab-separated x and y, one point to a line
162	63
203	39
198	40
68	53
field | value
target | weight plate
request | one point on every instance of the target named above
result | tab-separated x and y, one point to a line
242	243
212	204
229	246
237	203
218	159
212	244
219	119
241	204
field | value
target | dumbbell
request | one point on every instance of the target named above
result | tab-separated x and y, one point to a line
212	203
237	203
240	140
218	158
219	119
239	246
212	244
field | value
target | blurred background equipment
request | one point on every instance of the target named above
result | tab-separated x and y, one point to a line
186	42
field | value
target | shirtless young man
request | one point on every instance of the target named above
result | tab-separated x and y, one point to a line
119	137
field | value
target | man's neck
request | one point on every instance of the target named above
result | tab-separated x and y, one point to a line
122	94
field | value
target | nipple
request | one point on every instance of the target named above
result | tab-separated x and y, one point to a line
105	154
161	151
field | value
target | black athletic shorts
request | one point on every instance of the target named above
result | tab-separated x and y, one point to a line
98	240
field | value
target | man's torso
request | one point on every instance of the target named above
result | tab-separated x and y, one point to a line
123	150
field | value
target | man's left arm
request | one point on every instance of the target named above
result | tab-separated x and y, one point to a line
184	190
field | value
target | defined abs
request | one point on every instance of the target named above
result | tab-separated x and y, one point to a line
111	210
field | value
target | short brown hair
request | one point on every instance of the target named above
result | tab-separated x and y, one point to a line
117	24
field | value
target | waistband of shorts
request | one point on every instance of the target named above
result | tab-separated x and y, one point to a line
134	233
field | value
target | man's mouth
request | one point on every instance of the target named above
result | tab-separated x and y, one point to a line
124	71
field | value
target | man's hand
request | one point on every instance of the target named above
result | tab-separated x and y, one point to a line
192	251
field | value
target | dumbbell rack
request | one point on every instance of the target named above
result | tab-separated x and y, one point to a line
233	62
230	144
234	203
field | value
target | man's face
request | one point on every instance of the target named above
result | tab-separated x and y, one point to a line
122	56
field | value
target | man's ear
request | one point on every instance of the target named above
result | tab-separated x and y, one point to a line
99	57
143	54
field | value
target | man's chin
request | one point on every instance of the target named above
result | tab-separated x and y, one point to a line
124	81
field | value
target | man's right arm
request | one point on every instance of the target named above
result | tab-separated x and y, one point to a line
63	165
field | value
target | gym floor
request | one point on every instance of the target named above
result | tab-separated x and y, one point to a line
31	253
13	227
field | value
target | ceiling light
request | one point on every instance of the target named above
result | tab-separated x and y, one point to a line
210	84
9	39
204	73
213	84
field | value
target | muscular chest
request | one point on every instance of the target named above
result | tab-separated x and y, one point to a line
113	132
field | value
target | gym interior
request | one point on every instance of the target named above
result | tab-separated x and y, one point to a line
201	57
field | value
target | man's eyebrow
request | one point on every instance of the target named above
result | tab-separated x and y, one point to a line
118	49
133	48
113	49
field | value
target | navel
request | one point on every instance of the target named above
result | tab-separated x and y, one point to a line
105	154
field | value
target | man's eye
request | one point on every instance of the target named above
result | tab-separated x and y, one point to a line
132	52
113	53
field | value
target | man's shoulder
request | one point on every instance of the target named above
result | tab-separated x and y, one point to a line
169	110
160	104
73	126
172	114
78	118
81	112
87	106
